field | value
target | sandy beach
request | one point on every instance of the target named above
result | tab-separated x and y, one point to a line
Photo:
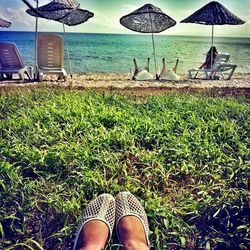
239	84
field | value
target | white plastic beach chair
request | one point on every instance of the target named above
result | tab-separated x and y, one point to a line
50	56
11	62
142	74
221	66
169	74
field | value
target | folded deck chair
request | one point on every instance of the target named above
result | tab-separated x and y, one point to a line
11	62
221	66
142	74
169	74
50	56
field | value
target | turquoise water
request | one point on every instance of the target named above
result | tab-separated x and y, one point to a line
114	53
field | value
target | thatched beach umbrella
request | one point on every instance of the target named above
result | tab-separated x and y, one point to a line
213	13
148	19
64	11
4	24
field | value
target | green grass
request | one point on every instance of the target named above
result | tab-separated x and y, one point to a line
185	157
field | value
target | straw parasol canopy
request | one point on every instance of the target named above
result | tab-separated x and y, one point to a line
4	24
213	13
148	19
64	11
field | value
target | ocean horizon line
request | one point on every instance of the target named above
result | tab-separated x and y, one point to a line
125	34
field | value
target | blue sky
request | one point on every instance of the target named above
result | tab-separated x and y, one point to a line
108	13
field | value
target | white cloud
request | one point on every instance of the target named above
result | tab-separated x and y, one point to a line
101	19
17	17
130	7
20	20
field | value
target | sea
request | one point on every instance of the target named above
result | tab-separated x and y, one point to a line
89	52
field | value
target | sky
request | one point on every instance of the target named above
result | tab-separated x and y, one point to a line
108	12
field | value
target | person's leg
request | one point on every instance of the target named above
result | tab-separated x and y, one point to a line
131	222
97	224
93	236
132	234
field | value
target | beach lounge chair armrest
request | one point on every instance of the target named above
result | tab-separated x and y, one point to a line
227	66
224	67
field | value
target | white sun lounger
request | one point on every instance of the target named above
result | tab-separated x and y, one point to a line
221	66
169	74
50	56
142	74
11	62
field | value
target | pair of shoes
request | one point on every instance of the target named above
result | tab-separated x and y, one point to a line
111	210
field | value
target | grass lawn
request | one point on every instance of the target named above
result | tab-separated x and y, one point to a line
185	157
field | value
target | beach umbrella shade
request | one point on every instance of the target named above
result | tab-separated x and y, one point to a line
148	19
212	14
64	11
4	24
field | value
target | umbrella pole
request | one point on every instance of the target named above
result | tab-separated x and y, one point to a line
67	47
153	41
35	66
212	46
